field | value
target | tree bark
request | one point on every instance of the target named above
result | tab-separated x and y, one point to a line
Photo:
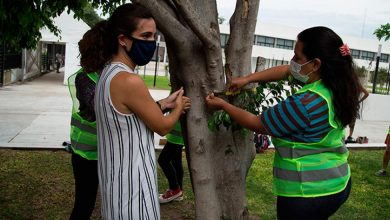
219	161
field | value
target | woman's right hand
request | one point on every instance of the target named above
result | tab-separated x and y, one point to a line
214	103
237	83
182	103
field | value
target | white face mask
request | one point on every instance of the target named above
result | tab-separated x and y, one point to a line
295	69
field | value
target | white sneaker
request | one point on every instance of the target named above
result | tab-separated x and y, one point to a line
180	198
381	172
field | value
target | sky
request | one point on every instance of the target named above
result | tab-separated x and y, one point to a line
358	18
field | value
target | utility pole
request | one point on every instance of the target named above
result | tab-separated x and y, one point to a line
2	61
378	56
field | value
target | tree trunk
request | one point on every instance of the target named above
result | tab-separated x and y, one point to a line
219	161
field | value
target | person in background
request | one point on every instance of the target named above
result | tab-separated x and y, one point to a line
58	61
311	175
170	160
386	156
351	126
83	143
126	114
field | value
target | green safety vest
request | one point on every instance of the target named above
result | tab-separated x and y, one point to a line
312	169
82	132
175	135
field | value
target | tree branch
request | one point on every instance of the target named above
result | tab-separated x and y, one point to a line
205	34
242	27
207	30
165	18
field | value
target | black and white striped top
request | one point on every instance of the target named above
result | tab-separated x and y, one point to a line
126	158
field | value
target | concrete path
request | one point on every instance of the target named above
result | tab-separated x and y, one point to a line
36	114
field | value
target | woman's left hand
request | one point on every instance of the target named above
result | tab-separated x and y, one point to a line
170	101
214	102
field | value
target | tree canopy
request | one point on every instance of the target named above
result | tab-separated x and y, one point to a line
21	20
90	16
383	32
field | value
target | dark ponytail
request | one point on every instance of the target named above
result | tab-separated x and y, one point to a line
336	71
100	43
92	48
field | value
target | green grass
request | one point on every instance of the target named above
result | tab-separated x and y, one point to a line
162	82
39	185
380	89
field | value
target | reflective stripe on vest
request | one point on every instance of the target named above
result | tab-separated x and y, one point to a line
83	137
311	175
176	133
288	152
312	169
82	126
80	146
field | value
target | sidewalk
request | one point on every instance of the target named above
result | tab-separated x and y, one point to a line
36	114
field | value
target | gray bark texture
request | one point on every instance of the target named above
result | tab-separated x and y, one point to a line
219	161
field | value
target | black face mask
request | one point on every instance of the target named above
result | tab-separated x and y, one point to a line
141	51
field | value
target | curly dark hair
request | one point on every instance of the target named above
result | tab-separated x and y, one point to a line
100	43
336	71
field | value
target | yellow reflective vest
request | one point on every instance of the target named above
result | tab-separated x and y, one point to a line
175	136
312	169
83	133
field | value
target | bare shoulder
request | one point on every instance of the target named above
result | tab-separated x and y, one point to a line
128	82
128	91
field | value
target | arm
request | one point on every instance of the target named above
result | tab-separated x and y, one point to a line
130	95
272	74
365	94
168	103
242	117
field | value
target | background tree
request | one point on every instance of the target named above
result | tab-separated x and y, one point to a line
89	15
382	80
383	32
361	71
21	20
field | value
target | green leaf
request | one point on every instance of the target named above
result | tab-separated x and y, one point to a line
211	125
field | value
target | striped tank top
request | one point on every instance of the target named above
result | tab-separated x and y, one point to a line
126	157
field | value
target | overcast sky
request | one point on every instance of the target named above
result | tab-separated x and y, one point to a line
357	18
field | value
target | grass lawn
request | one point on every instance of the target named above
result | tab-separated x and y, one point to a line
379	89
162	82
39	185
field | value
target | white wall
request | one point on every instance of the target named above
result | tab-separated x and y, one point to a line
376	108
72	61
72	30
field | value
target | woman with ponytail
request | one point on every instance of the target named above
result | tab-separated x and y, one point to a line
126	114
311	171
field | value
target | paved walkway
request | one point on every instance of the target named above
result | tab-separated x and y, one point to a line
36	114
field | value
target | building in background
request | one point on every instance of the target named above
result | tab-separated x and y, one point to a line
275	43
19	66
